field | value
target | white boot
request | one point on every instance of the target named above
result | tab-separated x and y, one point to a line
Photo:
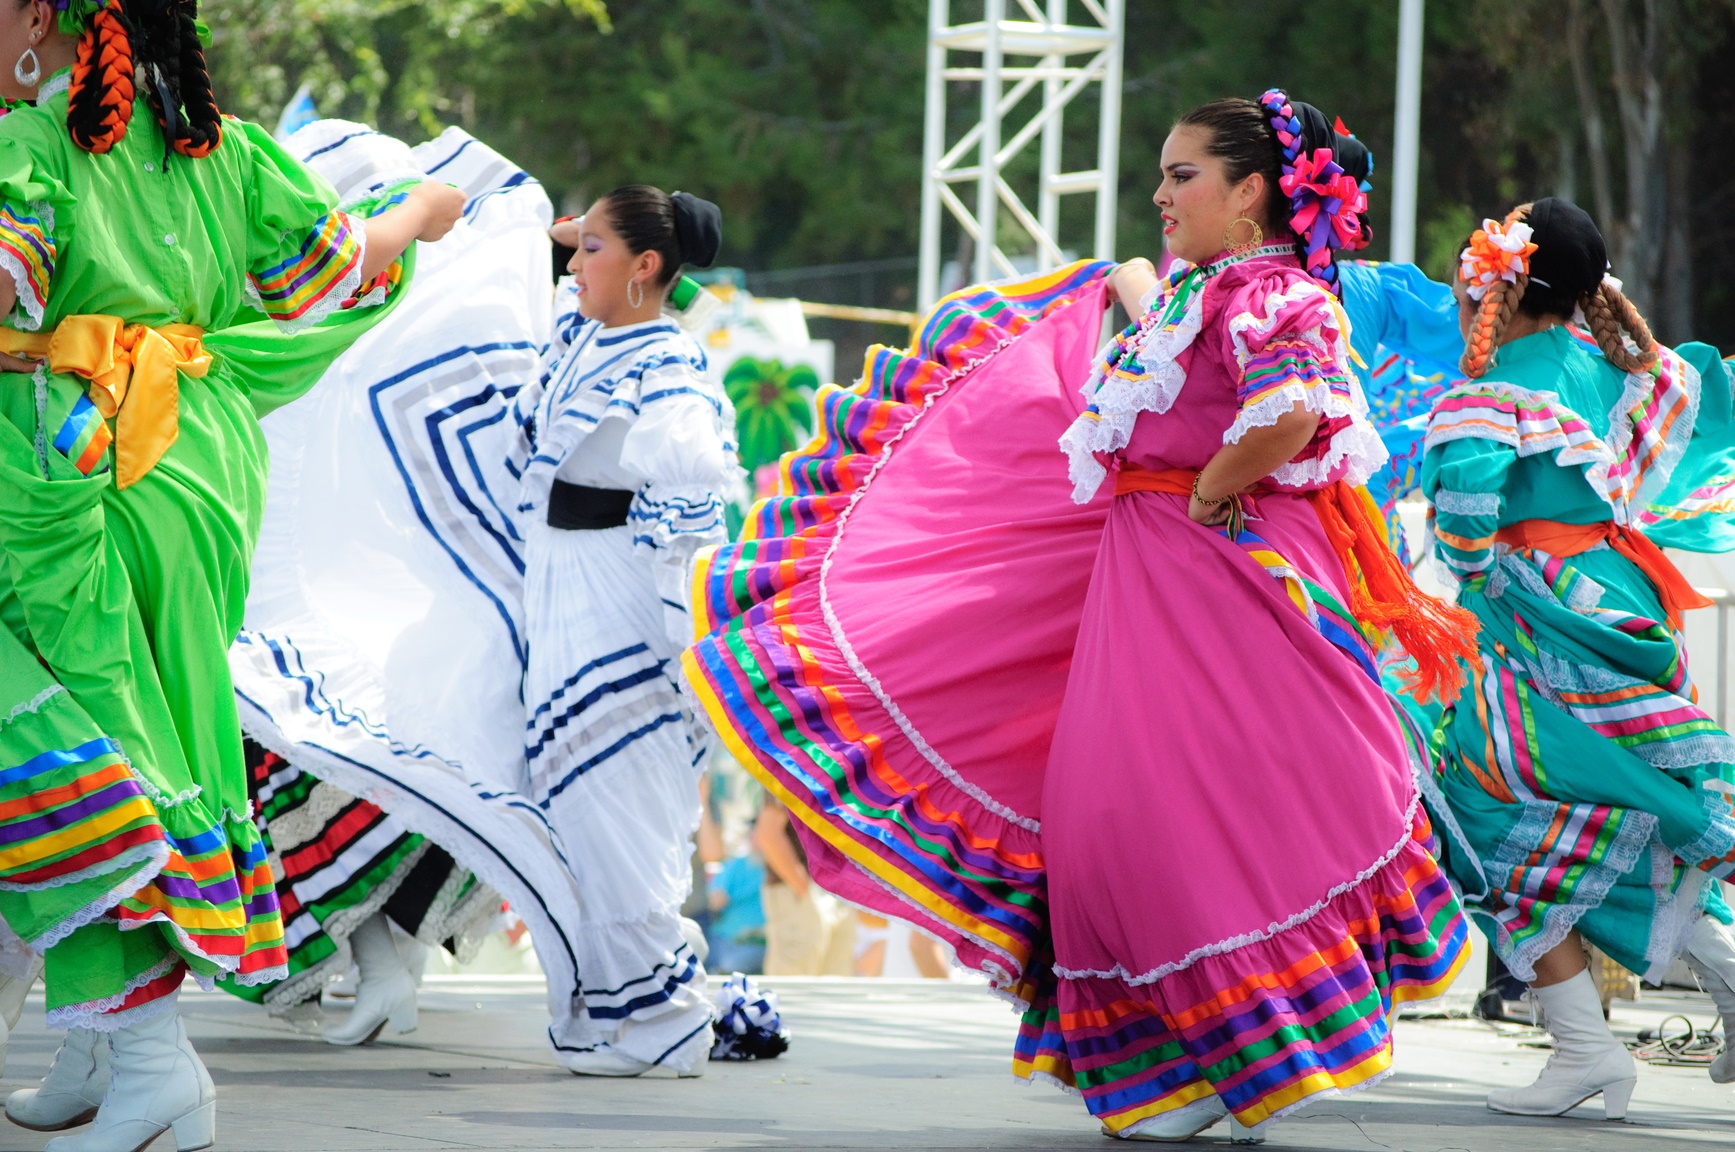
1176	1127
1711	956
71	1092
157	1083
387	994
604	1061
1587	1058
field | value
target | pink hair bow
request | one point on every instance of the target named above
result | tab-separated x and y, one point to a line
1327	202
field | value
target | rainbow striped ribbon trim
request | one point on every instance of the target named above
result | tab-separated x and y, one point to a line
327	259
84	438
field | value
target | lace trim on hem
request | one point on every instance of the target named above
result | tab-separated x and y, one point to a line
100	1015
1332	1093
467	919
868	680
1598	879
1673	922
1234	943
155	855
31	706
1039	1077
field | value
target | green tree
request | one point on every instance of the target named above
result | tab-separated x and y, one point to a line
388	62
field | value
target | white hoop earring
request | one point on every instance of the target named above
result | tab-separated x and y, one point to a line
28	78
639	301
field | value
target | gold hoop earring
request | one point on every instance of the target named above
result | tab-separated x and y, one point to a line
639	301
1250	244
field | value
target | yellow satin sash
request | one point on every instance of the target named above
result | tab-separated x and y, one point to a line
134	378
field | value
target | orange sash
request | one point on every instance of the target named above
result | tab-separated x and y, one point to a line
1564	540
1383	597
134	378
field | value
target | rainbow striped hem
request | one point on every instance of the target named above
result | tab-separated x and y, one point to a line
81	813
868	802
1268	1027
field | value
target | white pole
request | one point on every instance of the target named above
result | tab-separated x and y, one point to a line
1407	143
933	147
1108	145
1048	210
987	181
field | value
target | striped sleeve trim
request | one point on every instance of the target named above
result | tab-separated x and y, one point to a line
317	279
27	253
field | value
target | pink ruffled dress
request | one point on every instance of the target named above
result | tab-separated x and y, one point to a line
1141	777
1239	878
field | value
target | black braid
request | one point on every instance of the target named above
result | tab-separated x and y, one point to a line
204	123
176	83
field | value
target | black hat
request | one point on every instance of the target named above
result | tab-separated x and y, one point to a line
698	229
1570	255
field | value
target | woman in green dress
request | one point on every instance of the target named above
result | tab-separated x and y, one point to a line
157	258
1588	796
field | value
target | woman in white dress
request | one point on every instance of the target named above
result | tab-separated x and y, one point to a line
627	462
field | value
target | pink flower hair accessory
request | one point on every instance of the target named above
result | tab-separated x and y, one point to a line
1327	203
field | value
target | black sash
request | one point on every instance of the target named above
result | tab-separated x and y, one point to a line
576	507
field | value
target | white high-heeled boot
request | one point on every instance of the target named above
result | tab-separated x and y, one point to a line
1178	1126
386	995
1711	956
157	1084
1587	1058
71	1092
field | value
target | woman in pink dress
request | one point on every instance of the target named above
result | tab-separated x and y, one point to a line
1131	756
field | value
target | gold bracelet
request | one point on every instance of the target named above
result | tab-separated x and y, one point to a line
1201	499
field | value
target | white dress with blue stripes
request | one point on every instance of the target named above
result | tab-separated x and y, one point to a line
407	616
612	752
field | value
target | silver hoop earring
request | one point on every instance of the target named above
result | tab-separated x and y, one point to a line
639	300
28	78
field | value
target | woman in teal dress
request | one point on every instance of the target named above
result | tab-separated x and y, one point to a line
1587	794
157	258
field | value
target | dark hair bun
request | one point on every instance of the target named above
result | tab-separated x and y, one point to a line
698	229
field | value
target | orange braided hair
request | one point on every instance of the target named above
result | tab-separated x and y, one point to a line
99	104
1609	313
1492	314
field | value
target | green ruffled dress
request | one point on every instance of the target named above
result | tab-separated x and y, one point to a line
127	850
1580	784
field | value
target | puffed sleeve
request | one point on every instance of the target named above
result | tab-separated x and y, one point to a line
304	252
1290	340
35	209
1397	308
682	441
1462	480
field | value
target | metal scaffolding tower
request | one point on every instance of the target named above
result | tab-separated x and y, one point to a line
1064	60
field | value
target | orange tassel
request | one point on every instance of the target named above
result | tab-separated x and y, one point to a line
1384	598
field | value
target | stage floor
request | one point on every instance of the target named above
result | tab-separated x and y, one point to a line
875	1064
